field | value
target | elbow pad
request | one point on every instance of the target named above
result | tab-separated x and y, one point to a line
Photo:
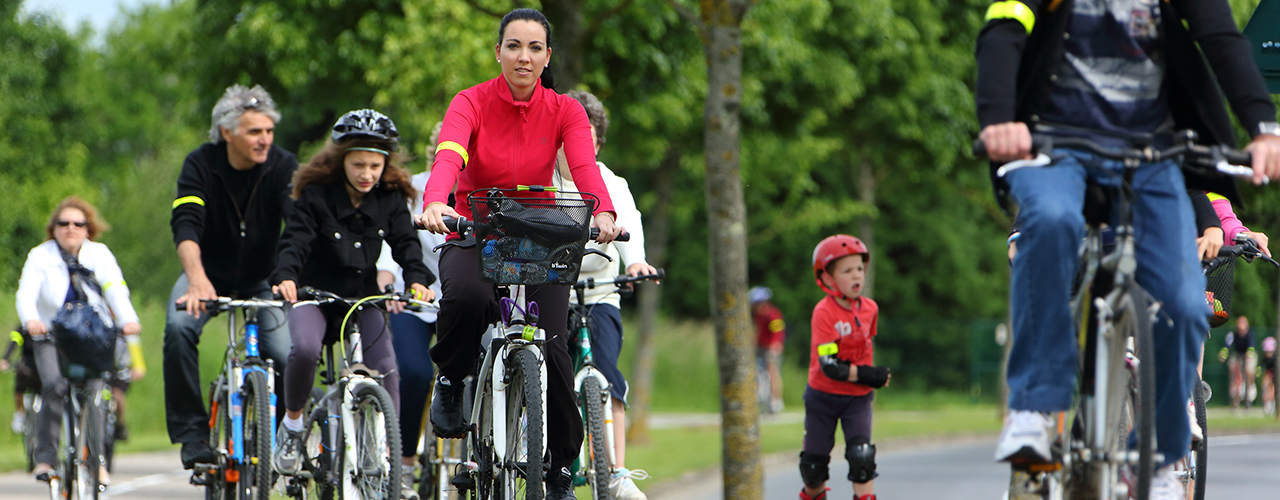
874	376
834	369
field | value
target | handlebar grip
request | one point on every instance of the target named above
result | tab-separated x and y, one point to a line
662	274
1038	143
1241	158
595	233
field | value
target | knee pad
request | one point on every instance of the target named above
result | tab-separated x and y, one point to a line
813	469
861	455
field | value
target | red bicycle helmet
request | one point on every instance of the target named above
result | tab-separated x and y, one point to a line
832	248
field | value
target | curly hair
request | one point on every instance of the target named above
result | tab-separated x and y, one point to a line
596	113
326	167
234	102
95	224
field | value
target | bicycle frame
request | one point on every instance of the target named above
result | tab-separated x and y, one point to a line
238	369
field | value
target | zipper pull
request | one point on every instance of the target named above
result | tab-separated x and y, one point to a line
242	229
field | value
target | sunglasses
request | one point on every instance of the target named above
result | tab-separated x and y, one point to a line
65	223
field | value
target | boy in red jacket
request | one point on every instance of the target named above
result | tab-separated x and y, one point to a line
842	377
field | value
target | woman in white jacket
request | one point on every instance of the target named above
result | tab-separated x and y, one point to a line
604	302
45	286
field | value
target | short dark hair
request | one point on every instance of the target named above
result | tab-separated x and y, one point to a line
596	113
527	14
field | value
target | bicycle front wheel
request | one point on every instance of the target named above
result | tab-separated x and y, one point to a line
255	468
88	448
520	474
598	466
376	471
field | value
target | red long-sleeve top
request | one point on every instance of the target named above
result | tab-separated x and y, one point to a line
491	140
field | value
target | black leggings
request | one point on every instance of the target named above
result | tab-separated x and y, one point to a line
466	309
308	325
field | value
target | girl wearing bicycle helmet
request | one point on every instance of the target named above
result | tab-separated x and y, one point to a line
348	199
503	133
842	375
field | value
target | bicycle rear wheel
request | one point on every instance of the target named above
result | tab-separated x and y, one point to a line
255	467
1201	449
1131	404
318	461
520	474
85	483
597	464
377	444
216	486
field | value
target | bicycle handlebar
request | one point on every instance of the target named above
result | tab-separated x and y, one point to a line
225	303
620	280
1223	159
1245	248
309	294
463	225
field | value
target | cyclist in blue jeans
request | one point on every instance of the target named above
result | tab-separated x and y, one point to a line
1110	69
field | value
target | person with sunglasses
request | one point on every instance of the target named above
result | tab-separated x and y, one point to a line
232	198
46	284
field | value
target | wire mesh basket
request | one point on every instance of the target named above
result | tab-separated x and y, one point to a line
524	238
1219	281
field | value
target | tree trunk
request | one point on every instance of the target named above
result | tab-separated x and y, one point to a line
655	249
867	194
726	221
569	41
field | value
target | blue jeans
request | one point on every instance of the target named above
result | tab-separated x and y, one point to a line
411	339
1043	361
186	416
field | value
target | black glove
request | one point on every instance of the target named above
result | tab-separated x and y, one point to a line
835	369
874	376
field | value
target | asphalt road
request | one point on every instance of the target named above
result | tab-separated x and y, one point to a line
1239	467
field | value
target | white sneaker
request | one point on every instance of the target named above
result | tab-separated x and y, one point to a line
1196	433
622	485
19	418
1026	437
1166	486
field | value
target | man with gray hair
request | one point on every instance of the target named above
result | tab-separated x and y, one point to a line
233	194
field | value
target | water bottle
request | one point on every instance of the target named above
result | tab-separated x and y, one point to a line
489	257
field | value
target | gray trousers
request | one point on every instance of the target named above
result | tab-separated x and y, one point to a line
54	396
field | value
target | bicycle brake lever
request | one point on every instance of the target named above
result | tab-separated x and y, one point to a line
596	251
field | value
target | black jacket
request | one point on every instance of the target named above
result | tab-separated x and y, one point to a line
1014	66
333	246
237	249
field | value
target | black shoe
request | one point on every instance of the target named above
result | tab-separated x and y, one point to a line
122	432
198	452
446	409
560	485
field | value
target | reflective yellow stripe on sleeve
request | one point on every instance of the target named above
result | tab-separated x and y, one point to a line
456	148
1215	196
1012	9
16	337
188	199
106	286
776	326
828	349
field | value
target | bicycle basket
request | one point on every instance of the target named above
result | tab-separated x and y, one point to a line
1218	291
529	240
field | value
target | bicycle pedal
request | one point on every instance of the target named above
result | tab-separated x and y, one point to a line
199	479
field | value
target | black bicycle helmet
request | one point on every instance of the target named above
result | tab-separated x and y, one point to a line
365	123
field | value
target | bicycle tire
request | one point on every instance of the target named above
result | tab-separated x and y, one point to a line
318	462
109	423
88	450
377	444
521	470
1137	394
29	429
1201	448
597	445
482	437
216	486
255	468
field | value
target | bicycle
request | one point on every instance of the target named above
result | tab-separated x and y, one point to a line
1115	401
77	475
523	241
352	433
1219	274
595	463
242	405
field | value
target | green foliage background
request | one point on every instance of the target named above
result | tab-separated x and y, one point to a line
829	86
